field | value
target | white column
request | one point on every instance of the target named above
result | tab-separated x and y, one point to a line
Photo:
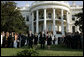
70	20
67	22
44	19
62	23
37	21
32	22
75	28
54	29
25	17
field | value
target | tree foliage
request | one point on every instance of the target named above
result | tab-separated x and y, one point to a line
79	21
11	18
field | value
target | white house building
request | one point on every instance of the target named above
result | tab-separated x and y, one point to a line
55	16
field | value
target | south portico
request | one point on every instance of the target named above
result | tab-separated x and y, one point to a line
40	25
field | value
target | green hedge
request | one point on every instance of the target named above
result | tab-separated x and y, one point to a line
28	52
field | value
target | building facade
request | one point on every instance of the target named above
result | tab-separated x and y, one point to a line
54	16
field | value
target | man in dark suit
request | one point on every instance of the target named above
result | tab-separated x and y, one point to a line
30	39
23	40
11	40
78	40
42	39
35	40
49	40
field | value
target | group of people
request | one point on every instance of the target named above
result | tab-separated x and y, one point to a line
72	40
10	40
15	40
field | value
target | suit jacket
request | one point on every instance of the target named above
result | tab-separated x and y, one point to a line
30	38
42	39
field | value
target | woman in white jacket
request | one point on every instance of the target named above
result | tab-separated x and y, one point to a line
1	39
2	35
52	39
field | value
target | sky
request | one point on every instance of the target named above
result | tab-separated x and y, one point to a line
22	3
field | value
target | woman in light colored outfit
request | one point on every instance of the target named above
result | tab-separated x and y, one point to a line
15	41
1	39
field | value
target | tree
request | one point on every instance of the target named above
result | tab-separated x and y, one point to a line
79	21
11	18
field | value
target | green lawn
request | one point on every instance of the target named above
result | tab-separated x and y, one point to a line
54	51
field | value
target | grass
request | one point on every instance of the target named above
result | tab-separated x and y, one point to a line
54	51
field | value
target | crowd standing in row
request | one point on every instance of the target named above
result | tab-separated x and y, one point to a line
10	40
15	40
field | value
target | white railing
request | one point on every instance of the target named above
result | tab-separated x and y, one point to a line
50	19
43	2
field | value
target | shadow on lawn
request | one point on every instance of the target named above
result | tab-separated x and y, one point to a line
53	48
59	48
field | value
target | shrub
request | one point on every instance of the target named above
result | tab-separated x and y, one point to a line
28	52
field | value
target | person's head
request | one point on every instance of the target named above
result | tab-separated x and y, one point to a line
81	33
63	36
12	33
16	36
16	33
77	32
3	33
36	34
48	34
7	34
30	31
43	32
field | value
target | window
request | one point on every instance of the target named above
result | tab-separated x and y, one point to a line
41	16
49	27
64	28
73	17
58	16
49	15
24	17
35	16
27	18
73	28
64	17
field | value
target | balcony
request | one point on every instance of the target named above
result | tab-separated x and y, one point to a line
53	2
41	18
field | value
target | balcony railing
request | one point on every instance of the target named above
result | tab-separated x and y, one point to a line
43	2
41	18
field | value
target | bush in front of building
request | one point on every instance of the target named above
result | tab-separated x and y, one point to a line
28	52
